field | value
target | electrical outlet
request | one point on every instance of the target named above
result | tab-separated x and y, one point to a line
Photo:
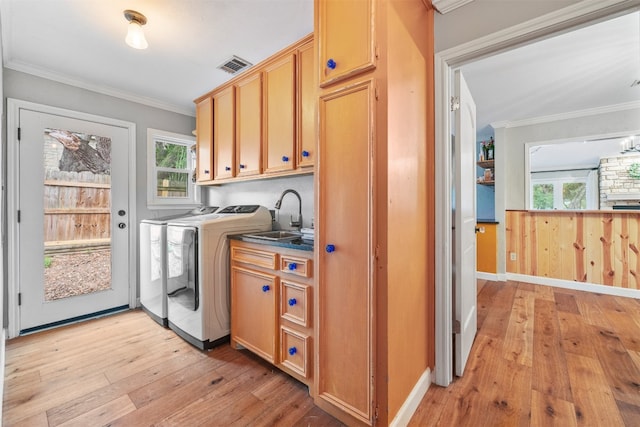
513	256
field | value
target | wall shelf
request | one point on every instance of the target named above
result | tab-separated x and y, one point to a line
486	164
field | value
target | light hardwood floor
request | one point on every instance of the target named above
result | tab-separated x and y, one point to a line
543	356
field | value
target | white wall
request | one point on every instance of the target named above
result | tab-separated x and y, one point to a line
557	131
483	17
266	192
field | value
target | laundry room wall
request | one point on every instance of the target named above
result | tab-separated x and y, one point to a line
266	192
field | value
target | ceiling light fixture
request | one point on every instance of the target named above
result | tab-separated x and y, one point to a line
629	145
135	34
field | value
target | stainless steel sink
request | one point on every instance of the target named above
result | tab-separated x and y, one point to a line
275	236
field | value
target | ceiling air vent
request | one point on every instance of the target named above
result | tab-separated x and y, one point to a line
234	65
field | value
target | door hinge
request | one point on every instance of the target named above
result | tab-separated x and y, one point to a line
376	92
455	103
377	52
19	134
18	215
19	298
456	326
375	412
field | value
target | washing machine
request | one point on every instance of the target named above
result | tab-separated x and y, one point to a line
153	277
197	266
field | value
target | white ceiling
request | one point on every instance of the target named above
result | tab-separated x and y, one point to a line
81	42
591	67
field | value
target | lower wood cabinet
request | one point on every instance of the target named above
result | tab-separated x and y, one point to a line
272	305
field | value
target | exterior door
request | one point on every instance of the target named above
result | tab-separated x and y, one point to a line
465	296
73	223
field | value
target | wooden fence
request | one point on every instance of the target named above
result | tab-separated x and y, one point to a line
77	210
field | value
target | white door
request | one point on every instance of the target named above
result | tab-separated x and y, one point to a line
73	223
465	297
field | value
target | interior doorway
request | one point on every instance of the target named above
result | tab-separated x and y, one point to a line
445	62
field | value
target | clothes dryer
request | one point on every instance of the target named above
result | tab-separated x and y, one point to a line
198	271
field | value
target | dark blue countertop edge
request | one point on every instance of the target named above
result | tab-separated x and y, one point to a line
486	221
299	244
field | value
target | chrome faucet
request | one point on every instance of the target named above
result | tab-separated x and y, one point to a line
297	223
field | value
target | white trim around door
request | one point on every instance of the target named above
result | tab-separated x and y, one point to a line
581	13
13	107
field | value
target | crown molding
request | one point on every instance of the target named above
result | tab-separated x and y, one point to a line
444	6
105	90
566	116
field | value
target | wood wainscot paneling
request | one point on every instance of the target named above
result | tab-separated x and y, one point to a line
599	247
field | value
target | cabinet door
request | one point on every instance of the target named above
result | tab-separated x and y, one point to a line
204	139
279	115
346	43
253	311
306	94
344	315
249	126
223	134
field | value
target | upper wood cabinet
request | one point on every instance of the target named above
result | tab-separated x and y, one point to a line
224	134
204	138
263	120
279	115
345	30
249	126
306	97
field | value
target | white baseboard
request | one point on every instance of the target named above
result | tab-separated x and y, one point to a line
412	402
487	276
580	286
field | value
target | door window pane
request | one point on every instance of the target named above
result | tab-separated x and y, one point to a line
77	214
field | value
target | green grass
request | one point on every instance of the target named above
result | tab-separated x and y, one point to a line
47	261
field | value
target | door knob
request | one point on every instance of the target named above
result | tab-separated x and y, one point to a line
122	225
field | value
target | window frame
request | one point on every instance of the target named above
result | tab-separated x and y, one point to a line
193	191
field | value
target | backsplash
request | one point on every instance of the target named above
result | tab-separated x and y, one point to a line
266	192
617	183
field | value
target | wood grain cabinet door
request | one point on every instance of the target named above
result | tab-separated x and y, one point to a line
279	115
254	311
306	96
204	139
345	37
249	126
345	239
223	134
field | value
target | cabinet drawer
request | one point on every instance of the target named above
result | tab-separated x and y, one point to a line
299	266
255	257
295	302
294	350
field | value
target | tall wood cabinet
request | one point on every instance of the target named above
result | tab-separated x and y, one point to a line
375	214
